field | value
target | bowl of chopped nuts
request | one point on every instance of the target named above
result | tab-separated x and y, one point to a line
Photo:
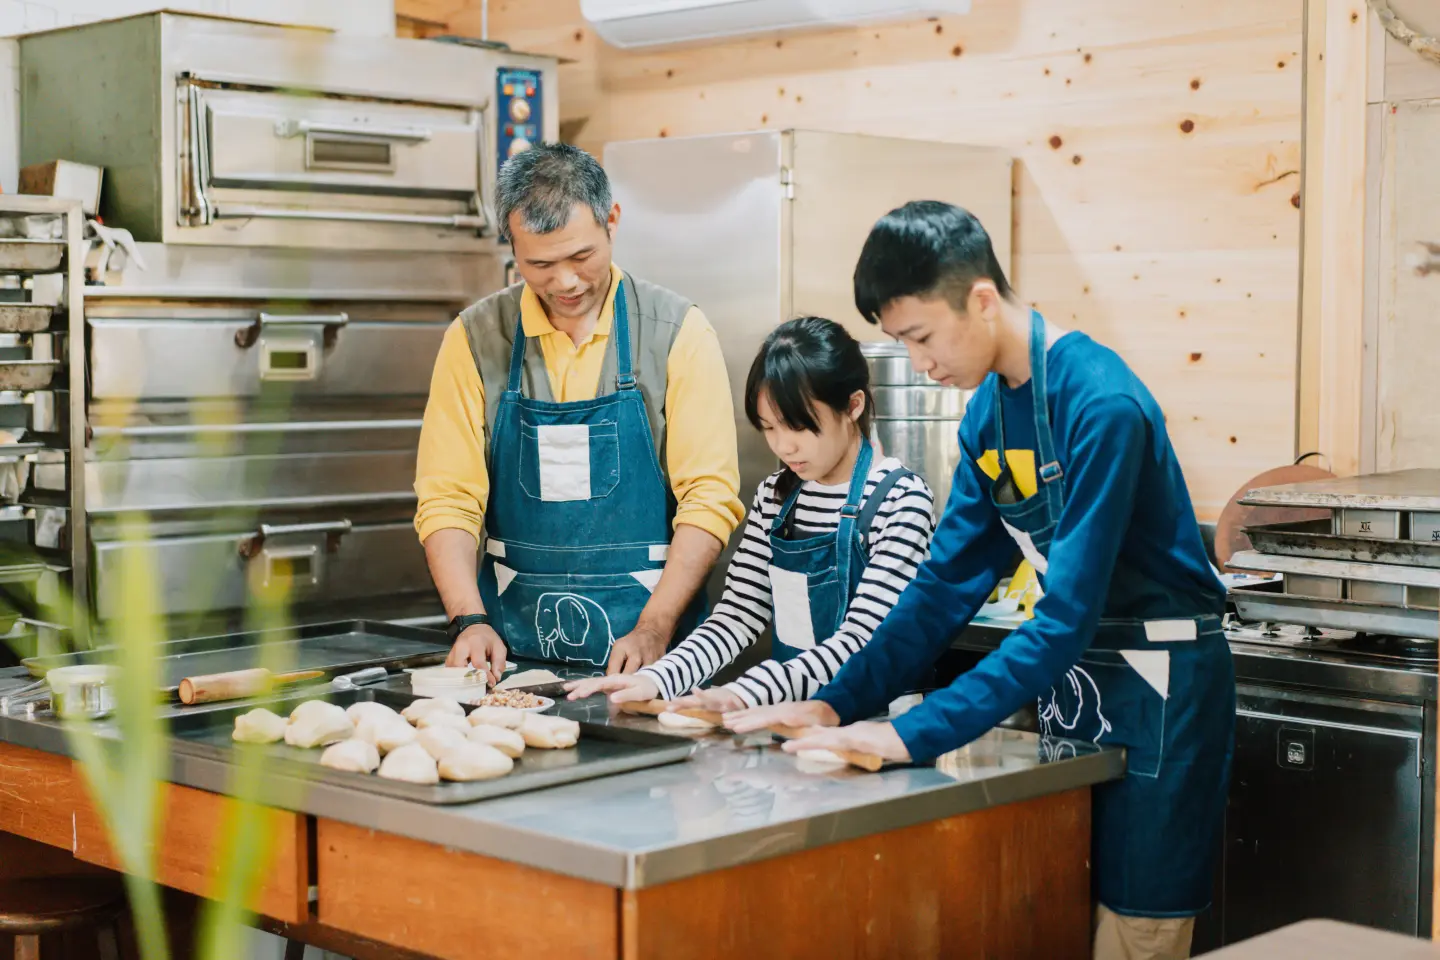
529	702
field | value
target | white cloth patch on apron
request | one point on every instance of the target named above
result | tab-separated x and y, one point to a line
503	576
1027	547
496	548
649	579
1153	667
1170	631
564	458
658	552
790	596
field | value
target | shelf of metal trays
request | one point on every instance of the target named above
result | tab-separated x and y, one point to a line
42	367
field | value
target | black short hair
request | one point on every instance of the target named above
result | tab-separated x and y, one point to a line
544	183
925	249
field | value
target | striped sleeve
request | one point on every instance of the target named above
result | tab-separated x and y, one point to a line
738	619
899	542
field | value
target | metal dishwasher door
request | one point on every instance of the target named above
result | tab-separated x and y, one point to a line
1325	812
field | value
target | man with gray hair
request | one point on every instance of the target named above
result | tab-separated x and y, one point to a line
583	420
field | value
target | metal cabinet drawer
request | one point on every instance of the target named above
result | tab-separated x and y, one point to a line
305	563
313	355
305	481
1368	591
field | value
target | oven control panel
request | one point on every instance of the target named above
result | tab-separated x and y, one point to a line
518	100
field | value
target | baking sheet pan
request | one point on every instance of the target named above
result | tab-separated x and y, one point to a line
1313	538
603	750
25	317
332	647
30	256
1263	604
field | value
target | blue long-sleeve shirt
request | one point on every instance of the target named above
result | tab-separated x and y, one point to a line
1127	545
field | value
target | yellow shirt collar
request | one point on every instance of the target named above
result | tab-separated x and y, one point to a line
536	324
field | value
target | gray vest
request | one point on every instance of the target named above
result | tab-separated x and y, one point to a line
656	315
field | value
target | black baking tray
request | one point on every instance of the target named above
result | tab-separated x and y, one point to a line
603	750
334	648
1313	538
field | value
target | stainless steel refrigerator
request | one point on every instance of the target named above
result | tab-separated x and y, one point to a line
760	227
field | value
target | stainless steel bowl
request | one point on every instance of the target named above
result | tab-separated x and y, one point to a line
83	692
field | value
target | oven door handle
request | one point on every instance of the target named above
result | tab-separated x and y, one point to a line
460	221
298	128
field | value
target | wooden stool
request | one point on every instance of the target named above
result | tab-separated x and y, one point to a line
29	908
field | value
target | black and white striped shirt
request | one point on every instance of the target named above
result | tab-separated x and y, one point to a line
899	541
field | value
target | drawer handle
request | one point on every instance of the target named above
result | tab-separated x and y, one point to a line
247	337
332	530
297	128
298	560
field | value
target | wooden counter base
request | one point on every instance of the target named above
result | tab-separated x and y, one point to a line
1012	882
44	797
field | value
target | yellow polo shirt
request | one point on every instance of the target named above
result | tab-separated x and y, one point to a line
451	480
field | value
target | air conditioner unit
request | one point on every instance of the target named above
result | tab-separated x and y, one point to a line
648	23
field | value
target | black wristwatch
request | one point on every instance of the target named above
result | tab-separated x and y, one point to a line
464	622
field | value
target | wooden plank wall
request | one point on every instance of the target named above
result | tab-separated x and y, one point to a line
1157	194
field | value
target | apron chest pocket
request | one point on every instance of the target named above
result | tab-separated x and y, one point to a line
570	461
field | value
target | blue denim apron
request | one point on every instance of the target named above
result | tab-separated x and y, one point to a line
578	522
813	579
1164	689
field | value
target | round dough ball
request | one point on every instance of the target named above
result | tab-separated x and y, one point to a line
549	733
314	708
475	761
435	718
411	764
678	721
369	710
419	708
508	717
259	726
319	729
508	742
439	741
352	756
385	734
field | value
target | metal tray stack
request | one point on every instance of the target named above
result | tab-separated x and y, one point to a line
42	268
1373	568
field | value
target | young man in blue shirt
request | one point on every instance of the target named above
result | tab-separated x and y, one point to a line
1065	459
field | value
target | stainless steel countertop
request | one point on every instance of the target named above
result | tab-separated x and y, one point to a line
734	802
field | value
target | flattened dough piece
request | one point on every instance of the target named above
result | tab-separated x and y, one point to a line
411	764
369	710
475	761
508	742
527	678
259	726
438	741
419	708
508	717
352	756
678	721
549	733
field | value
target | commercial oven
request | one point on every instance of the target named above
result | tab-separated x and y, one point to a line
313	210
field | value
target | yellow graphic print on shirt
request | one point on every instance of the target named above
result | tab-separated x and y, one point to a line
1023	586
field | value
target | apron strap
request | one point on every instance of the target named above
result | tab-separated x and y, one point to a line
845	532
1047	466
517	357
876	501
624	360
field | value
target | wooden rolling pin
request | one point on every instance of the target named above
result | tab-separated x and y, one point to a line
238	684
653	708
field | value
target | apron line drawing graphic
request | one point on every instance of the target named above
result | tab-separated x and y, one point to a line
566	620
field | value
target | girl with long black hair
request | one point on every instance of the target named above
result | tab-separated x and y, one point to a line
832	539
